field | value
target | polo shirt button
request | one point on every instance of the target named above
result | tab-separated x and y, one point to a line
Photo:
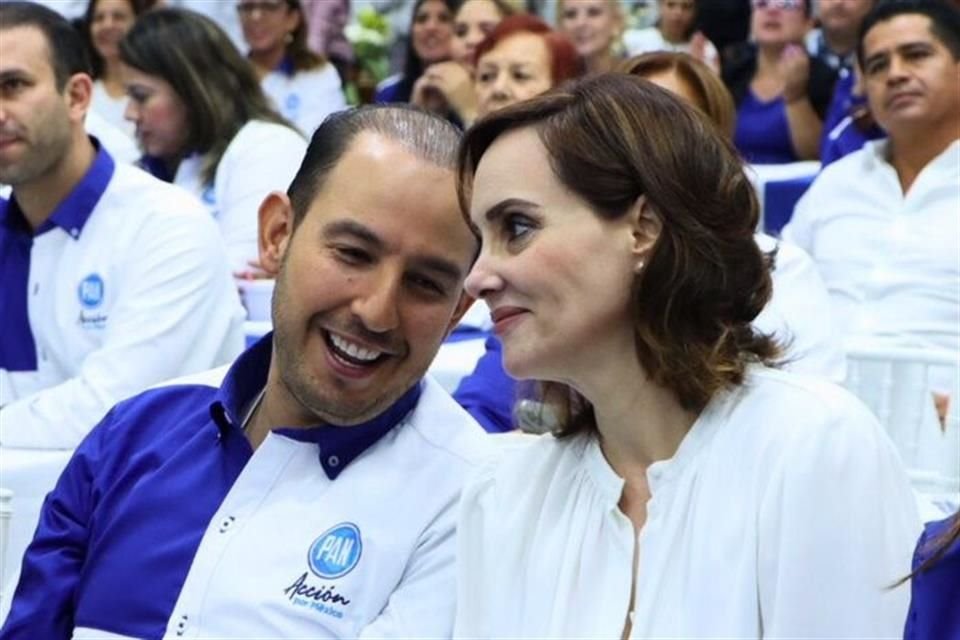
333	461
36	288
225	524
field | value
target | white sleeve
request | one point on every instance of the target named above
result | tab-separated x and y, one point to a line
422	604
838	524
177	311
262	158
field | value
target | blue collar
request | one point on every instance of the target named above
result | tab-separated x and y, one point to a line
156	167
286	67
72	213
338	446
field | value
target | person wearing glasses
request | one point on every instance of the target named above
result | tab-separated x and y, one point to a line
781	93
304	87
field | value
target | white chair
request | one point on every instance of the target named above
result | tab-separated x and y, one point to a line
898	385
6	497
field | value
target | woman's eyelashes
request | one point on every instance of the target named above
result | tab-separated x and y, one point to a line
517	226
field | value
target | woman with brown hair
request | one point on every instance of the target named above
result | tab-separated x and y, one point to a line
689	489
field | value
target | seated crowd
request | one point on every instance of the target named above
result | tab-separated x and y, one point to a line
588	186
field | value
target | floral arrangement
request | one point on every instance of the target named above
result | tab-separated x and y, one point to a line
369	35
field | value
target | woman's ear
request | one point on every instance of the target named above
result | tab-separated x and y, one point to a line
645	228
275	231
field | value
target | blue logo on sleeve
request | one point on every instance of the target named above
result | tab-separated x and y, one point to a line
293	104
90	291
336	552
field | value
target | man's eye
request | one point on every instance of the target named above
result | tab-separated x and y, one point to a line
12	84
427	285
352	255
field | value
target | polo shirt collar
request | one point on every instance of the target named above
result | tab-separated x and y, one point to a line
338	446
286	67
72	213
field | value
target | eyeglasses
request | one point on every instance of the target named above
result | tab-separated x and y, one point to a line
246	9
785	5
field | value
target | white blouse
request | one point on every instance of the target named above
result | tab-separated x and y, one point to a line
785	512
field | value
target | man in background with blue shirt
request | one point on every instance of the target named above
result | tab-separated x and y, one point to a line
310	490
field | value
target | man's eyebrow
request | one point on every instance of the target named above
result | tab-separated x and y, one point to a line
6	74
439	266
354	229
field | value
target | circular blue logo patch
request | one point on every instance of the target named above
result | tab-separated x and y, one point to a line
336	552
90	291
293	103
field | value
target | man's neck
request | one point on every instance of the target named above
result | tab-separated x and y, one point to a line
40	197
912	151
840	43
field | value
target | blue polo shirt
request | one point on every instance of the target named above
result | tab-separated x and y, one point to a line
118	535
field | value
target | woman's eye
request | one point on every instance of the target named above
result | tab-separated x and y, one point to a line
517	226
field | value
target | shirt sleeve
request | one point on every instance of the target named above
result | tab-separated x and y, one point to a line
177	312
262	158
44	602
837	528
422	605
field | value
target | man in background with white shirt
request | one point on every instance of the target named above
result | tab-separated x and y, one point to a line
883	224
112	281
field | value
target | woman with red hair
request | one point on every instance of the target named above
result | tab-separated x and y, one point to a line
522	58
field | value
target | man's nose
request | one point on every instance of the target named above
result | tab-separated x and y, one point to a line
378	307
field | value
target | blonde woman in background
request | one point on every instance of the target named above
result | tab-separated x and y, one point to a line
594	27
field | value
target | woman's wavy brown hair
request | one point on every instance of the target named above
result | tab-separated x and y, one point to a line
611	139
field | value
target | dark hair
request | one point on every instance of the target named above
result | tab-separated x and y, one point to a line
611	139
68	55
426	135
217	84
712	96
96	60
944	21
412	64
565	62
301	55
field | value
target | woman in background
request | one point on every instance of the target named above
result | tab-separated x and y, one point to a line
204	123
689	489
106	22
521	58
431	33
935	583
675	30
303	86
781	93
446	87
594	27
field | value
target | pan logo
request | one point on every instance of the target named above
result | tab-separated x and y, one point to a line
90	291
336	552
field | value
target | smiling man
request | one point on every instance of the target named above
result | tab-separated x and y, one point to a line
310	491
882	224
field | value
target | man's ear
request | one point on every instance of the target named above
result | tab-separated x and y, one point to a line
275	231
462	305
78	94
645	228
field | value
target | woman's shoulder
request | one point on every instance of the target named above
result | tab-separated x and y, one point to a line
259	136
521	464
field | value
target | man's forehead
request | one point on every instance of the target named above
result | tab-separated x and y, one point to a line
899	30
24	48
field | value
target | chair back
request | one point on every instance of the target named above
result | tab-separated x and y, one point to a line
900	385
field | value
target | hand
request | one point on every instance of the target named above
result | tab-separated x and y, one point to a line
795	69
254	272
454	83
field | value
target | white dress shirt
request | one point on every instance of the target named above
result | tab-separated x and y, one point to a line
261	158
140	294
785	512
891	261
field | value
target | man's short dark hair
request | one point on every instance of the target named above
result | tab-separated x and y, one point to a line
67	52
944	21
425	135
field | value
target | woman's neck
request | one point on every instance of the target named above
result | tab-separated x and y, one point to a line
601	62
112	78
768	59
266	61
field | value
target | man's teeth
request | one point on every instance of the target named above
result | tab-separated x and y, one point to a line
354	351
